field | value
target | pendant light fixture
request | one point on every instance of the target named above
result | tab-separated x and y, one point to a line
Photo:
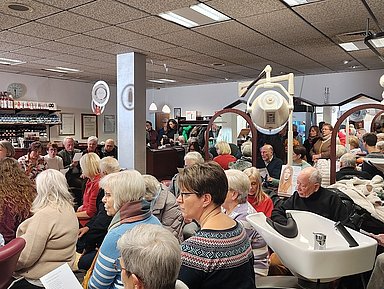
166	108
153	106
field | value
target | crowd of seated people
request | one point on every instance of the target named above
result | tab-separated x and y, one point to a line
122	212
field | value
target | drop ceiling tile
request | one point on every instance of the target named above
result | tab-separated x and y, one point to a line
42	31
36	52
20	39
38	10
150	26
70	59
149	44
65	4
114	34
56	47
5	46
245	8
118	49
50	63
177	52
72	22
378	9
95	55
353	10
82	40
183	38
109	11
9	21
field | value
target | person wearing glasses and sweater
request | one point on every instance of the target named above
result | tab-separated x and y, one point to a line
220	254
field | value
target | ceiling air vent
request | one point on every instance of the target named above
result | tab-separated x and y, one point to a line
352	36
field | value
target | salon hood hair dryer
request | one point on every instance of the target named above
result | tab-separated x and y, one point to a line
270	110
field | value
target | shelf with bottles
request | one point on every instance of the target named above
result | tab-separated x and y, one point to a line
29	119
22	137
8	103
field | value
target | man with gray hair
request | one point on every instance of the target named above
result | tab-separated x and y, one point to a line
311	197
348	169
150	258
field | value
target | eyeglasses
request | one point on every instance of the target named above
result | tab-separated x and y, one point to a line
186	194
117	266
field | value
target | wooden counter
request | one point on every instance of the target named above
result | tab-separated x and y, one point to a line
163	163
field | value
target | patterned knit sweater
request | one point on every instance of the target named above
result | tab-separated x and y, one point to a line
218	259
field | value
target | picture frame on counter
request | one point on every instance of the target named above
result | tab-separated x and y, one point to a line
176	112
88	125
67	126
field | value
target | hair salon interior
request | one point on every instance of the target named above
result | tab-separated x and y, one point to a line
234	71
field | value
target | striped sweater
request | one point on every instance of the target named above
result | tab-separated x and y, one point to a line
218	259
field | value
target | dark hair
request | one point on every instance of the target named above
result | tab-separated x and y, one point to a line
205	178
174	122
370	139
316	128
35	146
52	145
300	150
150	123
195	146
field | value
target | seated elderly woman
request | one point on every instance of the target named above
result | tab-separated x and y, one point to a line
203	189
245	161
163	204
33	163
6	150
51	232
152	256
224	155
237	207
124	200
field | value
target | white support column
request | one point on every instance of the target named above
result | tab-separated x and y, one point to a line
131	105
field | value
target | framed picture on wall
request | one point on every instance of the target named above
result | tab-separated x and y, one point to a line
88	125
67	126
176	112
109	123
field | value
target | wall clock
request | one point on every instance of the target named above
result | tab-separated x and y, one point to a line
17	90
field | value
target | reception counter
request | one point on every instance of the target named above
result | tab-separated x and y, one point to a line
163	163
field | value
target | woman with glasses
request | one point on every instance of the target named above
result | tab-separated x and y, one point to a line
219	255
322	148
124	200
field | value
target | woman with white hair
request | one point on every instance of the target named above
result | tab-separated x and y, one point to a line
89	164
164	205
237	207
92	143
152	256
124	200
50	234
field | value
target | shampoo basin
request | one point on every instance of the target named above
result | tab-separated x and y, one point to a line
298	253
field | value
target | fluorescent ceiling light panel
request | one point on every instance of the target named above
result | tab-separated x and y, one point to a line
295	2
378	42
9	61
209	12
56	70
67	69
349	46
162	80
173	17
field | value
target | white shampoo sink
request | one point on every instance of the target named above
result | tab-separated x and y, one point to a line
298	253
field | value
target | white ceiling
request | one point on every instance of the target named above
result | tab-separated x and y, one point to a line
88	34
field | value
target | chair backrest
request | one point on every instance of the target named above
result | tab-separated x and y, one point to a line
9	254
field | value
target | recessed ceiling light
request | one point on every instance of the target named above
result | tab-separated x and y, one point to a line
209	12
67	69
349	46
162	80
173	17
19	7
218	64
346	61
